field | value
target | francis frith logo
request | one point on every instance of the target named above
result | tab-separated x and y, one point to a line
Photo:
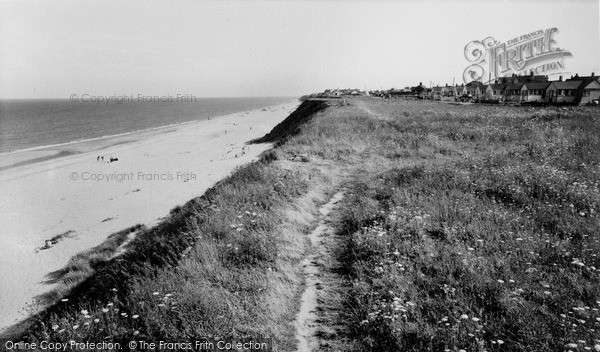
535	52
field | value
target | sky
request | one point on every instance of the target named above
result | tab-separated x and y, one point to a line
52	49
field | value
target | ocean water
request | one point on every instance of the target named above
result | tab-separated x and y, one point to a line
26	124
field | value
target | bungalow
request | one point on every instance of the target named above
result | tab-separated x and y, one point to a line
472	91
585	94
563	92
590	92
419	91
494	92
534	92
480	91
437	93
512	92
448	92
461	90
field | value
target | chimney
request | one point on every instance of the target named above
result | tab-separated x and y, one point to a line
577	75
560	78
531	73
593	74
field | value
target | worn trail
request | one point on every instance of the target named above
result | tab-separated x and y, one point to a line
306	321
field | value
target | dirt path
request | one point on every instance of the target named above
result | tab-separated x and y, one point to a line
306	323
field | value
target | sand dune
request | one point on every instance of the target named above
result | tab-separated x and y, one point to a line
65	191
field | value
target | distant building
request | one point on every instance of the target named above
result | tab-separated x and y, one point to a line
566	92
534	92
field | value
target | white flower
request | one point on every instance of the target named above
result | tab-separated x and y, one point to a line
464	316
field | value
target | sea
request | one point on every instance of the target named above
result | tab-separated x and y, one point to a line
32	124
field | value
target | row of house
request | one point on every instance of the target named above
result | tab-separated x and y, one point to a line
521	89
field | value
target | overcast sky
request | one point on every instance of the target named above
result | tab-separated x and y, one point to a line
51	49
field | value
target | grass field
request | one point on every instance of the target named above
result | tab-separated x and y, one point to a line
463	227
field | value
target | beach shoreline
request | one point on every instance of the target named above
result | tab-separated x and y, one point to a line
68	190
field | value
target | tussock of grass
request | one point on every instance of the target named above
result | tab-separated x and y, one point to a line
84	265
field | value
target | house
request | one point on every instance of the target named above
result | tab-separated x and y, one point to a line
460	90
534	92
437	93
585	94
566	92
495	92
480	92
419	90
590	92
512	92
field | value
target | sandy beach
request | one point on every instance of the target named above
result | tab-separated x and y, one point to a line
66	190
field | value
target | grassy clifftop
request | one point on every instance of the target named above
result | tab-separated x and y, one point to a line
464	227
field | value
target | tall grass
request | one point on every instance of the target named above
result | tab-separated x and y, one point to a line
490	247
463	228
226	265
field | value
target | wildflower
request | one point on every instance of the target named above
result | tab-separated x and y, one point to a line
64	300
168	295
96	320
61	331
475	319
135	316
464	316
123	314
136	332
155	293
104	310
110	304
499	341
85	312
571	345
75	327
161	305
54	327
597	347
500	281
114	289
